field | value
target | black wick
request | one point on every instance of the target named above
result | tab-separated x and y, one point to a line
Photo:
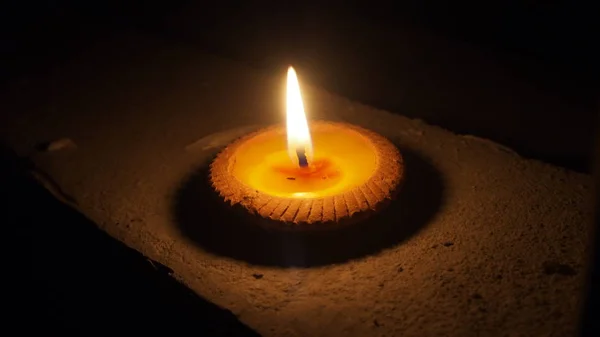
301	153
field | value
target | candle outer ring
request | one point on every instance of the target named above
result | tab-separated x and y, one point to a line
354	204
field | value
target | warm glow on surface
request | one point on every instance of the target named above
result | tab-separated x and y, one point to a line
298	136
345	159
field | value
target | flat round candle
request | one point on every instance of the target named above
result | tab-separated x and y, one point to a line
351	172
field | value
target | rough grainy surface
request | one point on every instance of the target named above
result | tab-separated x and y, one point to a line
480	241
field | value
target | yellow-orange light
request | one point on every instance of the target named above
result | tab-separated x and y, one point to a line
353	171
299	144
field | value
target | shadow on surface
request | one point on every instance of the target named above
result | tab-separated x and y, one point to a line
204	218
67	277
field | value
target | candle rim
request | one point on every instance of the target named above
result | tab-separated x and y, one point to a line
382	185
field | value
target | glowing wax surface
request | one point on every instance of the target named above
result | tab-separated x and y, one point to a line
343	159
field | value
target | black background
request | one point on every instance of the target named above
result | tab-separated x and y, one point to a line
411	57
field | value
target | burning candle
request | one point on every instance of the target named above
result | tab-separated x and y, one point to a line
308	172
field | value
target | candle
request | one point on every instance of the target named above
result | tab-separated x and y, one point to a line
307	173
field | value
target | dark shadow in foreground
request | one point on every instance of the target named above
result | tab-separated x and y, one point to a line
67	277
205	219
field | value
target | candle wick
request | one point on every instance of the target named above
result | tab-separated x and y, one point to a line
302	160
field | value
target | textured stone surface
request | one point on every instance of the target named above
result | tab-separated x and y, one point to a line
480	241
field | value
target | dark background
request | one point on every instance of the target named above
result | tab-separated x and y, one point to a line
523	73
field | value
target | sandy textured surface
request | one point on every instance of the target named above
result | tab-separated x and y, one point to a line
480	240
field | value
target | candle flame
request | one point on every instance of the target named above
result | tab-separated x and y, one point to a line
299	144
